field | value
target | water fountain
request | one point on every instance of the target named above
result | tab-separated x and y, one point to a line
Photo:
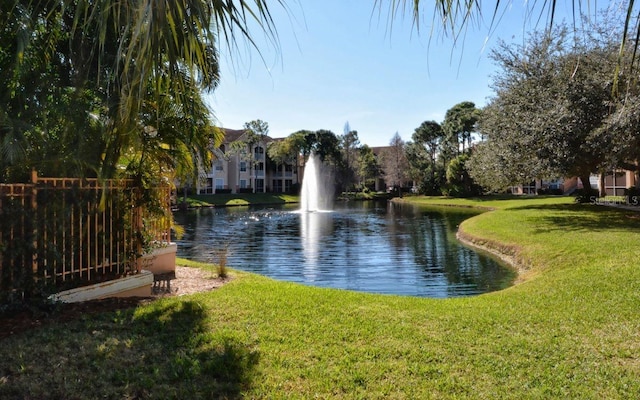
371	247
366	246
317	190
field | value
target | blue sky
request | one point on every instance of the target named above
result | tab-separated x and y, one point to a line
339	61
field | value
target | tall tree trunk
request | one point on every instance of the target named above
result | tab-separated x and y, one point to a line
603	192
586	184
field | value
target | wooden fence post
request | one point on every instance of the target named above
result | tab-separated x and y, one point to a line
1	237
138	227
34	208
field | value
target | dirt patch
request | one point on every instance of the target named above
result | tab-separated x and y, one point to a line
187	281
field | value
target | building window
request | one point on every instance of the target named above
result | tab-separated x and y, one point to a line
260	169
219	183
208	189
243	183
529	188
287	185
260	185
615	183
243	166
218	165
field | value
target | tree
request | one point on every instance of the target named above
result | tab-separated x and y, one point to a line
174	143
299	145
255	133
37	131
455	17
349	143
529	136
497	165
420	169
429	134
110	61
394	163
327	146
283	152
459	183
303	142
368	167
459	123
622	127
422	154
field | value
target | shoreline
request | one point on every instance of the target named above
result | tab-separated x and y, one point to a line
505	253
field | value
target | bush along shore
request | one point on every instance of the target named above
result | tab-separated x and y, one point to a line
569	329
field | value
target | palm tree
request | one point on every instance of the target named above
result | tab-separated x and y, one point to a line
452	17
174	139
131	56
459	123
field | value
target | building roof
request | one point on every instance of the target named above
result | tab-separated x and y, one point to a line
379	149
231	135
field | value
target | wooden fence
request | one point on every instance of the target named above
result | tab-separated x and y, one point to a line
59	233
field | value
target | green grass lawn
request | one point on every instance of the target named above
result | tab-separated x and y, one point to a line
570	329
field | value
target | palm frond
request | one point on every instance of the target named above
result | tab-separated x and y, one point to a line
452	17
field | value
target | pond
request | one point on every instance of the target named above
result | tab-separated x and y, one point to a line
377	247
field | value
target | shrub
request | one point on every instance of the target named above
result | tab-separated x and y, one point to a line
586	195
633	196
632	191
556	192
223	253
550	191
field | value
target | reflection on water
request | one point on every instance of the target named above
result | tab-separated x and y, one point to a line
314	226
365	246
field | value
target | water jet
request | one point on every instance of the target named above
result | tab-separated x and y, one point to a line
317	189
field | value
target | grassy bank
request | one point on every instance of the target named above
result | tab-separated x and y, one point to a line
239	199
570	330
364	196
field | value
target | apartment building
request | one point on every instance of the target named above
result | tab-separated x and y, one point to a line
238	167
610	184
552	186
615	182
